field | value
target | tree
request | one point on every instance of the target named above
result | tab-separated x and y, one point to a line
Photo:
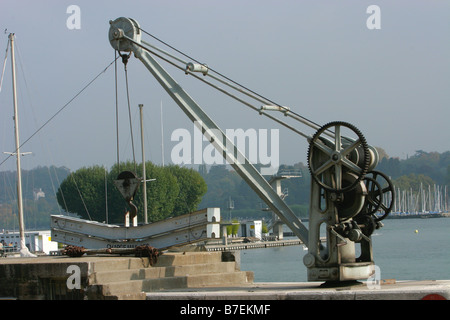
174	191
81	193
192	188
412	181
161	193
447	179
390	166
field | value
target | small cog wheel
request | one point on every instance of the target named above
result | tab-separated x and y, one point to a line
381	189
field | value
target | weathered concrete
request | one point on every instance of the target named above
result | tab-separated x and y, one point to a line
404	290
181	275
115	277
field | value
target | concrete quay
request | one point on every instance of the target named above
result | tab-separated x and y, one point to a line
400	290
116	277
180	276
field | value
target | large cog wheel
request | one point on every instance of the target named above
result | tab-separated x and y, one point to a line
329	159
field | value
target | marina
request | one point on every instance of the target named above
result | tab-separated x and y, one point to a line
430	201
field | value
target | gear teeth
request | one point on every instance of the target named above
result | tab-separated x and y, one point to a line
366	159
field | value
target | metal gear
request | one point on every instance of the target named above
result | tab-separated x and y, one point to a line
385	186
374	195
344	155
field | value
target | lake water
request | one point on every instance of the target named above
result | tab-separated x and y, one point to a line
398	251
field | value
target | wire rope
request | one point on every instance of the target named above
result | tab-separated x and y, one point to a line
61	109
125	58
81	196
4	65
117	110
226	92
305	120
129	118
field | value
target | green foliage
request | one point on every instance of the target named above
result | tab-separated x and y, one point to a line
431	164
192	188
233	228
412	181
175	191
161	193
80	193
264	228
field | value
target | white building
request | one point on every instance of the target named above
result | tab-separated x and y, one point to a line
36	241
251	229
38	193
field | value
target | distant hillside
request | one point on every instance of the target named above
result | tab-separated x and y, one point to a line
39	187
224	184
432	164
45	178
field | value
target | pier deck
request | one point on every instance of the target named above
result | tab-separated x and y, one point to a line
240	245
184	276
387	290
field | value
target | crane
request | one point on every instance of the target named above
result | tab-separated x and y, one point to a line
346	191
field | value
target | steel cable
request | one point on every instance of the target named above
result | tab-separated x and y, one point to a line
61	109
305	120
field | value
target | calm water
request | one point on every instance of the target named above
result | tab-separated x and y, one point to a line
398	250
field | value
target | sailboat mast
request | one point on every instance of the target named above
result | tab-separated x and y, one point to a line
162	136
16	128
144	174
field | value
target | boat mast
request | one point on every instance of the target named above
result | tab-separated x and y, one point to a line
162	136
144	174
24	252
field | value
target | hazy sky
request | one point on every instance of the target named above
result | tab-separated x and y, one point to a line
317	57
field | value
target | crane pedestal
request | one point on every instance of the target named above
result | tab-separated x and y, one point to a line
336	258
